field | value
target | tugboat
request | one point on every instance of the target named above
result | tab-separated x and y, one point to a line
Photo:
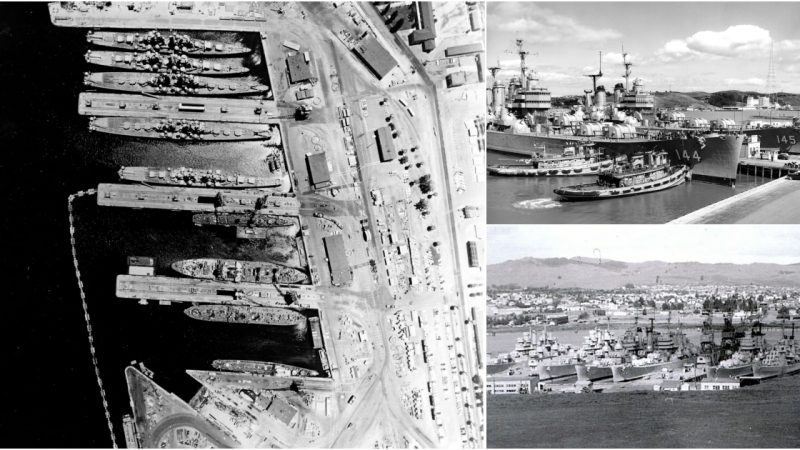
262	368
182	129
164	42
239	271
257	315
578	159
183	176
646	172
172	84
157	62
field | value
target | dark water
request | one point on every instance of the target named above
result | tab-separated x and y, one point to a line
531	200
49	384
763	416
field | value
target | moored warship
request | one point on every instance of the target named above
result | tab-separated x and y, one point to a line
262	368
239	271
157	62
181	129
518	123
652	353
257	315
155	40
182	176
172	84
648	172
782	359
242	220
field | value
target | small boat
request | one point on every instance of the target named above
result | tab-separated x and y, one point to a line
646	172
155	40
157	62
172	84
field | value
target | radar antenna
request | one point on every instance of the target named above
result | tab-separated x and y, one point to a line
523	68
627	65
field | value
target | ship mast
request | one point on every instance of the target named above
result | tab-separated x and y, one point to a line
522	54
627	65
599	74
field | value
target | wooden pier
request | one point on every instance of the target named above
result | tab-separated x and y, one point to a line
196	199
104	104
194	290
764	168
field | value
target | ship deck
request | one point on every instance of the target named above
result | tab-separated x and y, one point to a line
104	104
192	290
194	199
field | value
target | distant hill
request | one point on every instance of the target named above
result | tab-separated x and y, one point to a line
696	99
588	273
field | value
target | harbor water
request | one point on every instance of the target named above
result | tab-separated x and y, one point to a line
517	200
50	154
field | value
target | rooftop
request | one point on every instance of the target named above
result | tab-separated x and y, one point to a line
318	168
341	274
377	58
299	68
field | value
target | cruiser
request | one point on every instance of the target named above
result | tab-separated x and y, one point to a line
239	271
172	84
257	315
782	359
572	162
242	220
157	62
182	129
648	172
518	122
746	350
164	42
182	176
602	351
652	353
262	368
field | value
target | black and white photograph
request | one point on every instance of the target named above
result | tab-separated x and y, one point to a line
643	112
244	224
635	336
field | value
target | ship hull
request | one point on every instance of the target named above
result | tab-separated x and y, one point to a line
528	171
262	368
592	373
492	369
198	66
729	372
248	271
555	371
252	315
629	372
129	41
148	129
715	158
141	83
193	178
760	371
578	194
785	139
241	220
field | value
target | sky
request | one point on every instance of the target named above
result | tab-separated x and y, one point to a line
679	46
738	244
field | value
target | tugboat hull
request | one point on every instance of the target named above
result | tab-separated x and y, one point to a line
586	192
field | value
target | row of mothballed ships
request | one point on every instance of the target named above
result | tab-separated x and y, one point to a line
643	350
609	136
168	68
174	72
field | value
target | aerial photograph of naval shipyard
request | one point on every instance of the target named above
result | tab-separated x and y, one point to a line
643	112
245	224
623	336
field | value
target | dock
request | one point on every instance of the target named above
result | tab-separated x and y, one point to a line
193	290
105	104
774	202
196	199
764	168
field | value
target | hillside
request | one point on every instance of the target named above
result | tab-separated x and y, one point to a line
681	100
587	273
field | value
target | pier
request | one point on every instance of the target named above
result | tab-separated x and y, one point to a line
192	290
774	202
189	108
196	199
764	168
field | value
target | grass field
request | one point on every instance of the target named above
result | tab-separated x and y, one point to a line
767	415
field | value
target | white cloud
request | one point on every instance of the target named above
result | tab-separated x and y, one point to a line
541	25
752	81
735	40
